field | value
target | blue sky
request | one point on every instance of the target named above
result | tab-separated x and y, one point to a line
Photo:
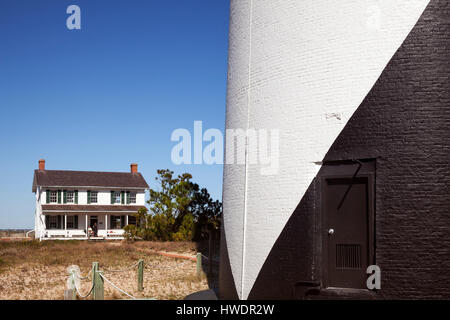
109	94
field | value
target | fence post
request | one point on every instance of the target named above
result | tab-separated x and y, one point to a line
199	264
97	282
140	275
71	294
94	268
68	294
74	292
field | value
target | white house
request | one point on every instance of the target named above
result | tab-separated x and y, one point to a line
69	202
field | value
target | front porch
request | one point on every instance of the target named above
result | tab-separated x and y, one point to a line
80	226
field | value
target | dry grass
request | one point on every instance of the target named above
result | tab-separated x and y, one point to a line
37	270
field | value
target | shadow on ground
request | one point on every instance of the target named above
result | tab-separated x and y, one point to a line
210	250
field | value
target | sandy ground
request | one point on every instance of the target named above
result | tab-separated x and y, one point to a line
39	270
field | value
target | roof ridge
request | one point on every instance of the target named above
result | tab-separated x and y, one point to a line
84	171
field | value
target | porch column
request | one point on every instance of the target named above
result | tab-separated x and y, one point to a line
106	224
126	220
65	224
86	226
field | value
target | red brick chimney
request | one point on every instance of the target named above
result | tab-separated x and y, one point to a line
133	168
42	165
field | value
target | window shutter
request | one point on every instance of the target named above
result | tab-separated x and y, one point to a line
76	198
122	197
59	196
47	222
122	222
59	222
47	196
64	196
76	222
128	197
112	197
89	197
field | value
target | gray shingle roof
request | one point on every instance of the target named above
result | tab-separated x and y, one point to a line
67	178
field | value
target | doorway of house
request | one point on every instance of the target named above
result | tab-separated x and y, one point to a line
348	238
93	219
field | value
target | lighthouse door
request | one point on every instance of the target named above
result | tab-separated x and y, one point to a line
347	230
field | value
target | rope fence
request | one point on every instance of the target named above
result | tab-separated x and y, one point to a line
83	296
85	277
98	278
126	268
116	287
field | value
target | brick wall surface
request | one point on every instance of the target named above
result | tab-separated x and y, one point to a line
403	123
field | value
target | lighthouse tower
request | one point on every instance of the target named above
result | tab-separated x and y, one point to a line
359	92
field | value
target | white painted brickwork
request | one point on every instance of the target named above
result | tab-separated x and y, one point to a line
302	67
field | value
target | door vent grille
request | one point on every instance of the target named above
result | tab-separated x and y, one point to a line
348	256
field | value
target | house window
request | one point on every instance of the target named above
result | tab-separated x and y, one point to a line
53	196
117	222
70	221
132	220
52	222
116	197
94	196
70	196
132	197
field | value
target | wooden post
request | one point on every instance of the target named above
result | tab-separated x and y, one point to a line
98	291
94	268
87	227
199	264
74	292
106	225
71	294
68	294
141	275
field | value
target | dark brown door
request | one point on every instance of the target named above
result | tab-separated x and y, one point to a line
347	223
